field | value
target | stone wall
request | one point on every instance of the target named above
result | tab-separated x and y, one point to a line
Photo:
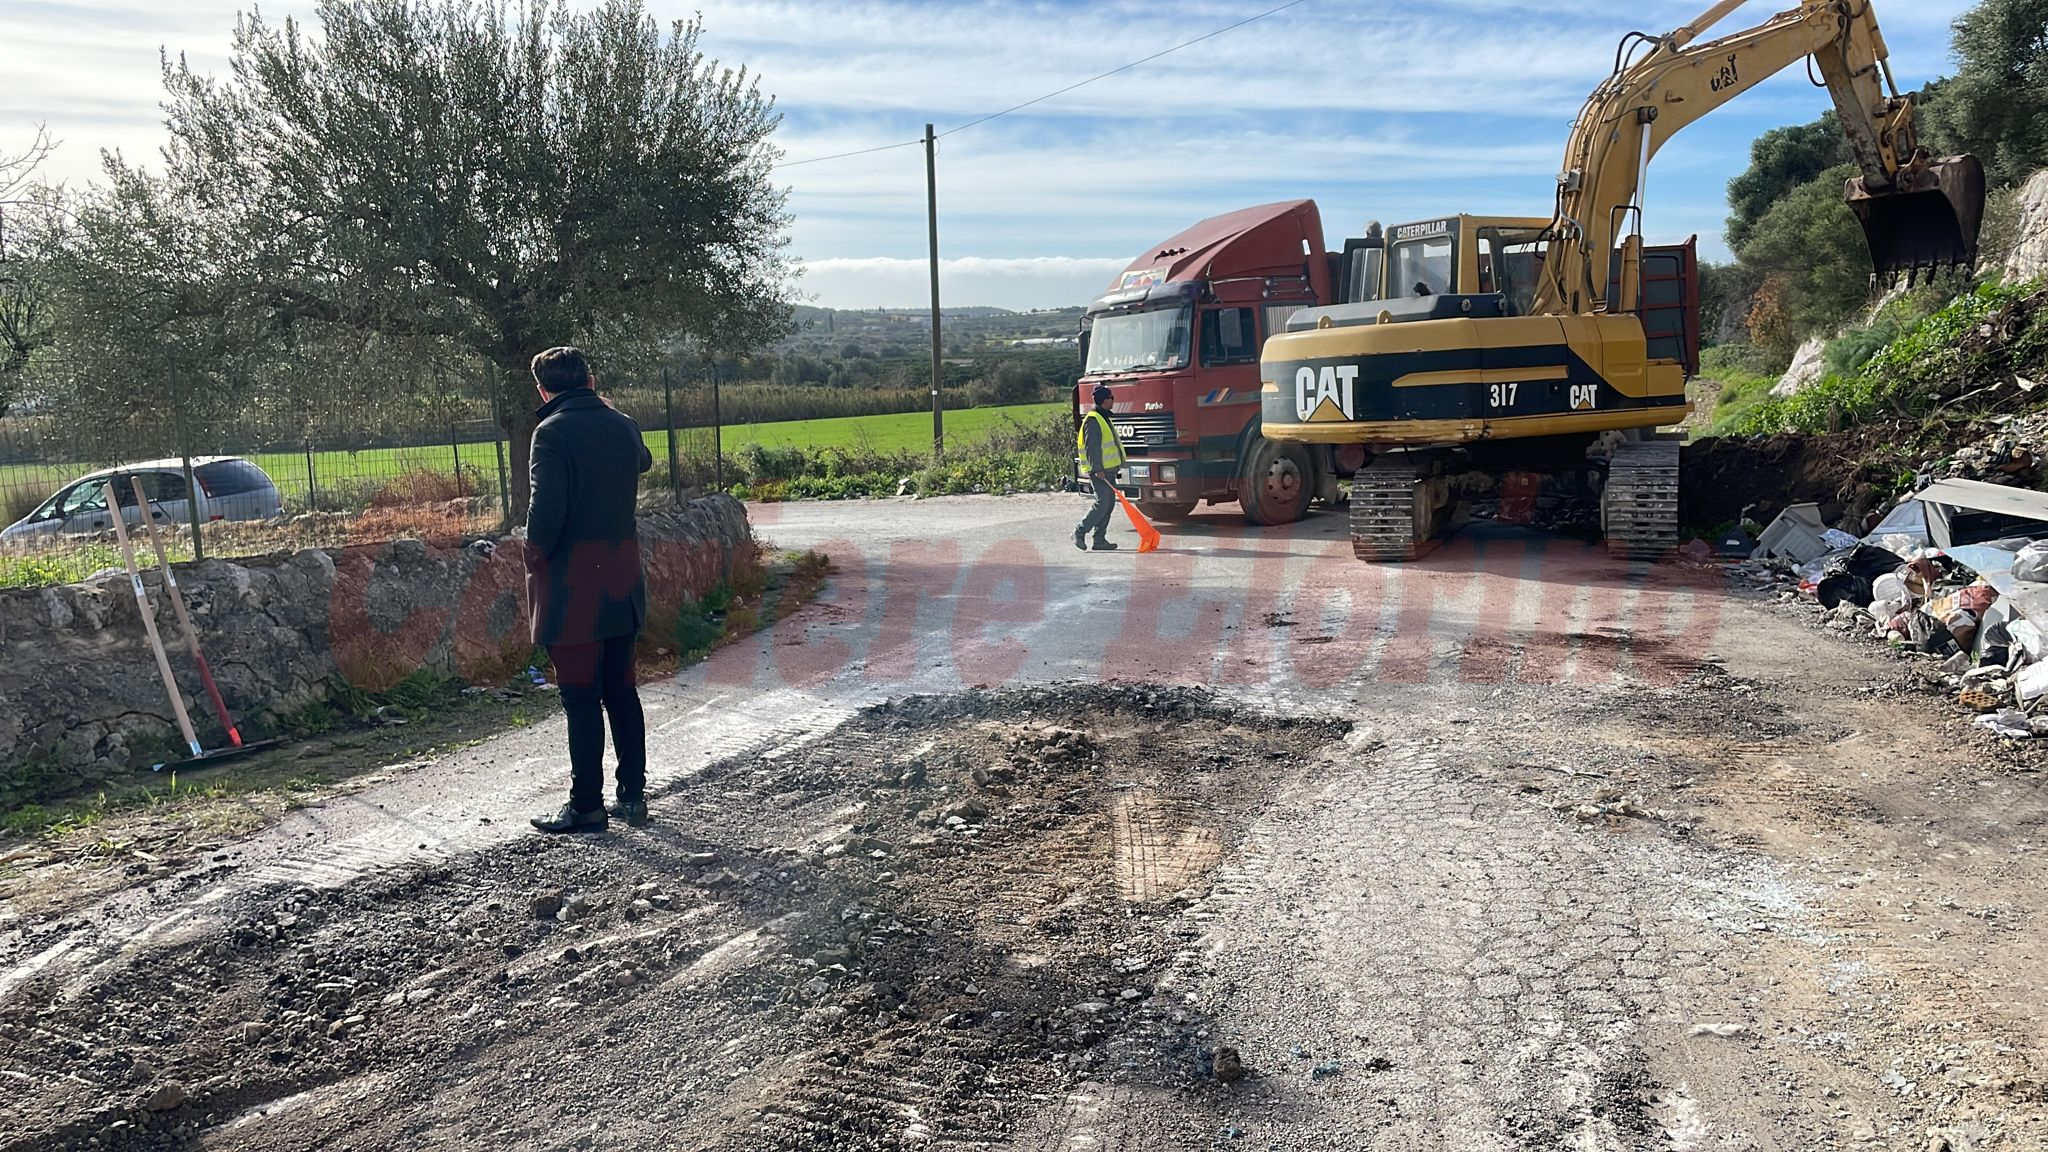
81	701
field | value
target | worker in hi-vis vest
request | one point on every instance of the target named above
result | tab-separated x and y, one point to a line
1100	454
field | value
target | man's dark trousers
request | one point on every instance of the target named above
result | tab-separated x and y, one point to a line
1097	520
597	681
585	586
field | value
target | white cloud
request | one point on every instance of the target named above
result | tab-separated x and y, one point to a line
1024	282
1383	110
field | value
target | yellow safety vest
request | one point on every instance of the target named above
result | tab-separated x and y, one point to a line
1112	448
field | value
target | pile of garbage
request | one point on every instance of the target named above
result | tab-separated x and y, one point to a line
1958	572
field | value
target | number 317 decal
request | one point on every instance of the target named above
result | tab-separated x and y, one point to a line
1502	395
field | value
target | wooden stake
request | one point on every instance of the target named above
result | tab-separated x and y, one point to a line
163	563
156	643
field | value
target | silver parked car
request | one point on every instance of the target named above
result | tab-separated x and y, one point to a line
230	488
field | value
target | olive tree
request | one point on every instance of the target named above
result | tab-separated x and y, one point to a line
1996	105
31	224
472	174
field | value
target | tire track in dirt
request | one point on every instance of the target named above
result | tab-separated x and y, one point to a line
910	930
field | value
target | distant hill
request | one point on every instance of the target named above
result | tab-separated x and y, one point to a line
892	332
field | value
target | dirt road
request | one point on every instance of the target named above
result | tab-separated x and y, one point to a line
1514	848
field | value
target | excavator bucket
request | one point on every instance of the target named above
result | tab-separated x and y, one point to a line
1928	222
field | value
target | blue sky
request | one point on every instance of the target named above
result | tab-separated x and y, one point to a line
1375	110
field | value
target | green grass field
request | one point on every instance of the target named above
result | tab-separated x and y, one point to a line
346	478
902	432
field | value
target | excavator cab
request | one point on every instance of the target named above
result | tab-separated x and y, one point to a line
1929	221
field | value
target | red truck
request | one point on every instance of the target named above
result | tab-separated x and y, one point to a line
1177	338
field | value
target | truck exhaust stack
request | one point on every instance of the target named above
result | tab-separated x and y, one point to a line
1930	221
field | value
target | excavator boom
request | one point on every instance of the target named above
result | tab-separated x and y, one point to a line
1917	212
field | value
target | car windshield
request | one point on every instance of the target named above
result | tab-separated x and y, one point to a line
87	497
1130	341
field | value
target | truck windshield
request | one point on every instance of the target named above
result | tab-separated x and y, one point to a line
1131	341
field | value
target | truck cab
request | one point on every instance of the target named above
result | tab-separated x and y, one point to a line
1177	339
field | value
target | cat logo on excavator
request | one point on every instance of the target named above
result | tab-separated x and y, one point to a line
1327	394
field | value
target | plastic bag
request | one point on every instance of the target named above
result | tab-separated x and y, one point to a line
2031	639
1889	587
2031	563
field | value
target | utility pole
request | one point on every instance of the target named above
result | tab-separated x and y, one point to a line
931	191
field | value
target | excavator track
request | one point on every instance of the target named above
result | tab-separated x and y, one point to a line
1389	520
1639	509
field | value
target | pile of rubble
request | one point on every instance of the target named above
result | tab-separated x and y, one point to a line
1958	573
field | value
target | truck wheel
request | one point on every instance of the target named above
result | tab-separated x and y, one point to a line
1277	484
1177	510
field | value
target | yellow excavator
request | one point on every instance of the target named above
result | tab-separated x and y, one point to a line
1514	351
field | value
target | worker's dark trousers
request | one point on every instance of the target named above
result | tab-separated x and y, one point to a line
1097	520
596	680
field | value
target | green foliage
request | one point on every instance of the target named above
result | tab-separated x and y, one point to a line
1781	160
1009	456
38	569
1936	357
1809	250
26	777
311	719
1724	300
1009	383
1996	104
1745	383
435	176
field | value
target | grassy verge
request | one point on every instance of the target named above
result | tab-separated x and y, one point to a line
1967	351
1008	455
1744	383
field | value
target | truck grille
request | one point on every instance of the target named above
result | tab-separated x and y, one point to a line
1154	430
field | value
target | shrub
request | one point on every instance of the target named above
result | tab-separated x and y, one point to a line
1976	340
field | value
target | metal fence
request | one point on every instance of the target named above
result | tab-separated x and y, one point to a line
335	461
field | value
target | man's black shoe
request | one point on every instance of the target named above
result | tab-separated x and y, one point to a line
570	820
633	812
1102	545
1081	539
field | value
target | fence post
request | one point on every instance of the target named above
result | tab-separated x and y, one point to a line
455	447
668	404
718	431
185	451
312	480
498	442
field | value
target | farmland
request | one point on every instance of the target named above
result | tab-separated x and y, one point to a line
344	479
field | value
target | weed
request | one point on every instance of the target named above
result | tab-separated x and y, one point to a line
1978	339
310	719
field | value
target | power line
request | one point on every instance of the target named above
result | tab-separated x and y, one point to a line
1050	95
1126	67
844	155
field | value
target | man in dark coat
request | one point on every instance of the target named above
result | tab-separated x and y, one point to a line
584	583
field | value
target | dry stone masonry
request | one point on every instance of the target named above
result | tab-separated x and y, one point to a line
81	703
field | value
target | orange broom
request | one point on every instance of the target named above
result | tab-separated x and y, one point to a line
1148	536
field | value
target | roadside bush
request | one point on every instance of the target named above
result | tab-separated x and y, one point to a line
1012	456
1979	339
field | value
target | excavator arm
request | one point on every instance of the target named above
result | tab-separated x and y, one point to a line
1915	212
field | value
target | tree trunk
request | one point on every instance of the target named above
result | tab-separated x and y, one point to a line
516	404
